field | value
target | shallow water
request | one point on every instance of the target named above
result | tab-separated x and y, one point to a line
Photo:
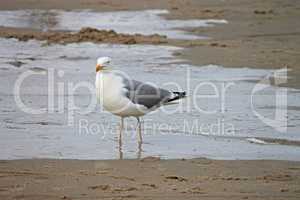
66	133
144	22
71	129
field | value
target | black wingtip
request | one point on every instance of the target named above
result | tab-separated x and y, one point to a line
179	95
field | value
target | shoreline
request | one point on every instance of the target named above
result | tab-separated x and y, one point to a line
258	35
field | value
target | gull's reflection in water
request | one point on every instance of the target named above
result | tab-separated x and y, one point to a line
120	150
139	150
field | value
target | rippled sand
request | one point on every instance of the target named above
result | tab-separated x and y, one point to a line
149	178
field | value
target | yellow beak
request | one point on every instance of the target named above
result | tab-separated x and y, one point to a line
98	67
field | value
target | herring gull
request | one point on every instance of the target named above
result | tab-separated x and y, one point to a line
126	97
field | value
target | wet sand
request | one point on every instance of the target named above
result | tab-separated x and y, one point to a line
149	178
84	35
260	34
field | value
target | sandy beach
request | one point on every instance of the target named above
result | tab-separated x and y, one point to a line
260	34
149	178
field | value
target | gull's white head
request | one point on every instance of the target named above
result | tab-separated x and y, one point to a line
102	62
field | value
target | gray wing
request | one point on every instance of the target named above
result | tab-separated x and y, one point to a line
146	94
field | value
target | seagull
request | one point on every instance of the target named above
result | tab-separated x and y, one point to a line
125	97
